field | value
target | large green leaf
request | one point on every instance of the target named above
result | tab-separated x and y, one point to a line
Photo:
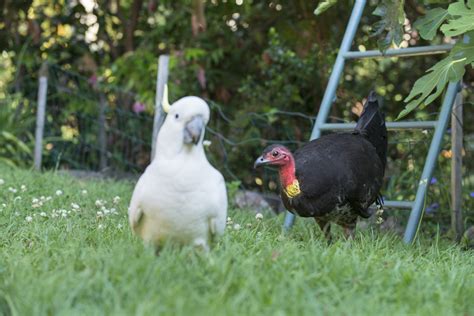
324	5
463	18
427	88
429	24
390	27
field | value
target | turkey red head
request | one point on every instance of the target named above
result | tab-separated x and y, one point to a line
274	155
282	158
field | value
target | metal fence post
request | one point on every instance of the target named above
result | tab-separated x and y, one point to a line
40	114
456	167
161	80
102	131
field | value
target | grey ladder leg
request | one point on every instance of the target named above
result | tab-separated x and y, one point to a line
445	114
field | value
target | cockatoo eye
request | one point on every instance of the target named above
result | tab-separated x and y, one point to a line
176	116
275	153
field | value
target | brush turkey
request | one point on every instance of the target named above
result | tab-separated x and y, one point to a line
337	177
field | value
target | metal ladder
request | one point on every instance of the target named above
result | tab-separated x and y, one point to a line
438	125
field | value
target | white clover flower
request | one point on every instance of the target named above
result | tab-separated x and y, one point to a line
75	206
23	188
43	214
12	190
236	227
100	226
100	214
2	182
28	218
84	192
106	211
59	192
206	143
64	214
48	198
259	216
17	214
116	199
34	200
99	203
4	205
249	225
119	226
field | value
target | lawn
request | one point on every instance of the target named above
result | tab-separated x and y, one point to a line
66	249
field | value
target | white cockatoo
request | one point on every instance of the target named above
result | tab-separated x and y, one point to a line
181	197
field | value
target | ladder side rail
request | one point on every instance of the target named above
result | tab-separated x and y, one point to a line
418	205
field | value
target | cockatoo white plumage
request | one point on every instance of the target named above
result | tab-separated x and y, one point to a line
181	197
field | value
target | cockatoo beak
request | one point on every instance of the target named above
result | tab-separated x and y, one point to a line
193	130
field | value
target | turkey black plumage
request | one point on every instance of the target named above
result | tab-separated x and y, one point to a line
337	177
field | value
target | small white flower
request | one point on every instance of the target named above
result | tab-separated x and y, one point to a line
34	200
2	181
4	205
12	190
206	143
59	192
229	219
84	192
119	226
28	218
64	214
259	216
99	203
106	211
236	227
100	226
75	206
48	198
23	188
100	214
17	214
116	199
43	214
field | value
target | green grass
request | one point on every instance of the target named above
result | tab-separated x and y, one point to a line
83	264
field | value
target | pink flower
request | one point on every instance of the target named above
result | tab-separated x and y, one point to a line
138	107
92	80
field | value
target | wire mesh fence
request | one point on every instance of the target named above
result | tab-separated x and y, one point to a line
94	126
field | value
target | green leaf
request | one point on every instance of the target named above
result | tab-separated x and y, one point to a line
324	5
429	24
390	27
463	18
427	88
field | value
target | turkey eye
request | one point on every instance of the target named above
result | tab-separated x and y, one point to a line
275	153
176	116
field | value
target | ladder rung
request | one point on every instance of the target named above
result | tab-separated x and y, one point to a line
390	125
398	204
402	52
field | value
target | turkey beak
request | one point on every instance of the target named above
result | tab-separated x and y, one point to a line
260	162
193	130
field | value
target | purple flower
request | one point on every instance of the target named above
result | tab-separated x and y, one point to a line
471	194
138	107
433	180
432	208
